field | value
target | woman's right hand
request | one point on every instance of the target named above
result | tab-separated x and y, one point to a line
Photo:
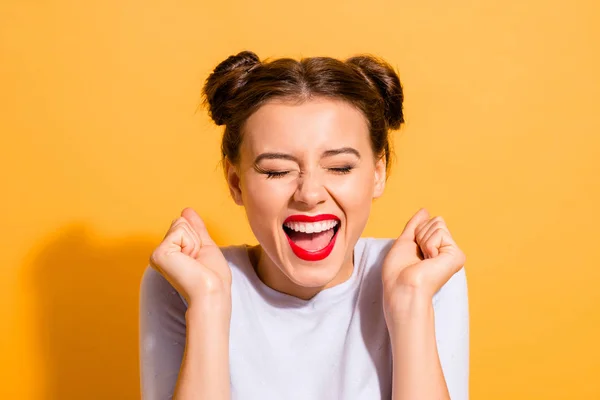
191	261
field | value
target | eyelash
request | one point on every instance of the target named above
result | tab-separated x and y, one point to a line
275	174
279	174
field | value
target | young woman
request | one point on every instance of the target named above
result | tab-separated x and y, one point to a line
314	311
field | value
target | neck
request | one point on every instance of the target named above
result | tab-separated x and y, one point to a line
271	275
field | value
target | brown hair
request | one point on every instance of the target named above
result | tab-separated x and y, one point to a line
239	85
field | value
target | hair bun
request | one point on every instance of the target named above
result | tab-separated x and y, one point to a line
225	81
243	60
382	77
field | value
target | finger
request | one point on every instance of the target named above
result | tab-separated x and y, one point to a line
432	244
440	269
193	251
410	229
170	228
182	236
198	226
439	241
437	222
422	230
406	243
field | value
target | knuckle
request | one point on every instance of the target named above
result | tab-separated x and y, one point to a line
175	225
439	223
179	221
155	257
180	228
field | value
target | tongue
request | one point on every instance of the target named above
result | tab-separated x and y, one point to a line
311	241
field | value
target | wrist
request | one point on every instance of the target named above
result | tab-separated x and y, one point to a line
213	309
407	305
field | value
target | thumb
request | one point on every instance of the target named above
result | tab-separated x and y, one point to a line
198	226
409	231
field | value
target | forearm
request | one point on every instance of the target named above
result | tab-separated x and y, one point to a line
204	372
417	373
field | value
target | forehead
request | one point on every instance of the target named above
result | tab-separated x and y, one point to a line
314	125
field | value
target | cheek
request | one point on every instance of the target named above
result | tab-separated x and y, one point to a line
354	193
265	201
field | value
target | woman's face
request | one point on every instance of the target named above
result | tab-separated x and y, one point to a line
307	176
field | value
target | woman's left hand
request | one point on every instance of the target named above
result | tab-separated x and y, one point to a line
421	260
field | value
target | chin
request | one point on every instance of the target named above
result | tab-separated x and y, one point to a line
314	276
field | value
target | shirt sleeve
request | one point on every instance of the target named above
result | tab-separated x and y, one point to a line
451	310
162	336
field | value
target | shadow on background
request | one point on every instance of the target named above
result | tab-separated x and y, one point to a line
87	304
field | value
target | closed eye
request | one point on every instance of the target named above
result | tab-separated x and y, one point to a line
341	170
271	174
280	174
275	174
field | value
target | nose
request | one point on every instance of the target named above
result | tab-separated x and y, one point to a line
310	191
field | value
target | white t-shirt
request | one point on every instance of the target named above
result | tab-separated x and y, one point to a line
333	346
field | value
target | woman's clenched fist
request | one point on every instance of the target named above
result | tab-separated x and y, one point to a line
191	261
423	258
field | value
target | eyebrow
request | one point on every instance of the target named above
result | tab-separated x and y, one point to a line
343	150
285	156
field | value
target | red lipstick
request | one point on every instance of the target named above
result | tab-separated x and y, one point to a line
312	255
310	218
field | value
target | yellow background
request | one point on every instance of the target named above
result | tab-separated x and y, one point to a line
102	147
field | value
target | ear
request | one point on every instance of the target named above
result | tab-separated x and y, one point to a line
380	176
233	181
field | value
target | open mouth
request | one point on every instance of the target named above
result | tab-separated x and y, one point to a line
312	238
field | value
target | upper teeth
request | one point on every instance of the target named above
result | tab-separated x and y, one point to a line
312	227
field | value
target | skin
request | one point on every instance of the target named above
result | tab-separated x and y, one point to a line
312	183
421	260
